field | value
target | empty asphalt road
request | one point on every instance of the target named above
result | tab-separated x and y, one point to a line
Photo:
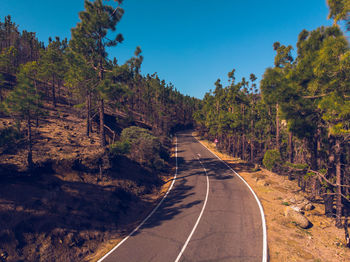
210	214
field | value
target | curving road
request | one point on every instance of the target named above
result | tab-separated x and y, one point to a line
210	214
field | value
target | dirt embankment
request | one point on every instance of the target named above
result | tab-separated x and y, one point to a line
287	242
65	210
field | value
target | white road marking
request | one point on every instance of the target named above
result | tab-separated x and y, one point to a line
145	220
264	256
199	217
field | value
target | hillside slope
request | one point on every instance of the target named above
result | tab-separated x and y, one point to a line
75	198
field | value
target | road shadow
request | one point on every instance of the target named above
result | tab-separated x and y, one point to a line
178	199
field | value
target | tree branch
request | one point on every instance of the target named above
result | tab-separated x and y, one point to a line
334	194
314	97
329	182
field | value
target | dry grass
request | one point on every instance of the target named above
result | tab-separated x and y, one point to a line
287	242
60	135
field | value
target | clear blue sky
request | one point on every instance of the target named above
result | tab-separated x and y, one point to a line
190	43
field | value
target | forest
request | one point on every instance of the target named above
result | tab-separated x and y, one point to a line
82	137
80	74
297	123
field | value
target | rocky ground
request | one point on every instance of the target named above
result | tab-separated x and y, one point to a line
297	228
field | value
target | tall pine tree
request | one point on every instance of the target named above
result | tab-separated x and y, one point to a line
91	38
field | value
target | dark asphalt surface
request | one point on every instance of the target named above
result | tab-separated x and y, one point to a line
229	230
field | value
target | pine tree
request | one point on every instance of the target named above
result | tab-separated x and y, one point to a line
332	71
24	104
90	39
2	86
52	65
82	78
339	10
9	60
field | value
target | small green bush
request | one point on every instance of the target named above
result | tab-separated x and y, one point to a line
272	159
8	136
133	133
145	148
120	148
159	164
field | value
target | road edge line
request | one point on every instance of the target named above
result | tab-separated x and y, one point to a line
150	214
264	258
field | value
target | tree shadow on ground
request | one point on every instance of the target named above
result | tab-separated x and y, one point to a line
61	217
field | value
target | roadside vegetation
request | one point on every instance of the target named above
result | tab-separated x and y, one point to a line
319	240
297	123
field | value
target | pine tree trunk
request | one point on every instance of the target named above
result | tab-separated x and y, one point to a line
252	143
339	206
314	153
329	199
36	93
102	122
269	132
30	151
234	146
319	146
243	147
277	129
53	91
346	231
290	147
314	166
88	115
328	204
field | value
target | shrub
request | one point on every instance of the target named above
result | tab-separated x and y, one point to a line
272	159
8	136
159	164
145	148
133	133
120	148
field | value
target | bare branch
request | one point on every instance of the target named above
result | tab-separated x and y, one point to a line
329	182
334	194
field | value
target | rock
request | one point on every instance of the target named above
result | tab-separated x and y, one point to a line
299	199
296	217
306	205
296	208
290	200
262	183
309	207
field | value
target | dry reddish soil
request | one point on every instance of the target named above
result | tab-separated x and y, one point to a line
286	241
